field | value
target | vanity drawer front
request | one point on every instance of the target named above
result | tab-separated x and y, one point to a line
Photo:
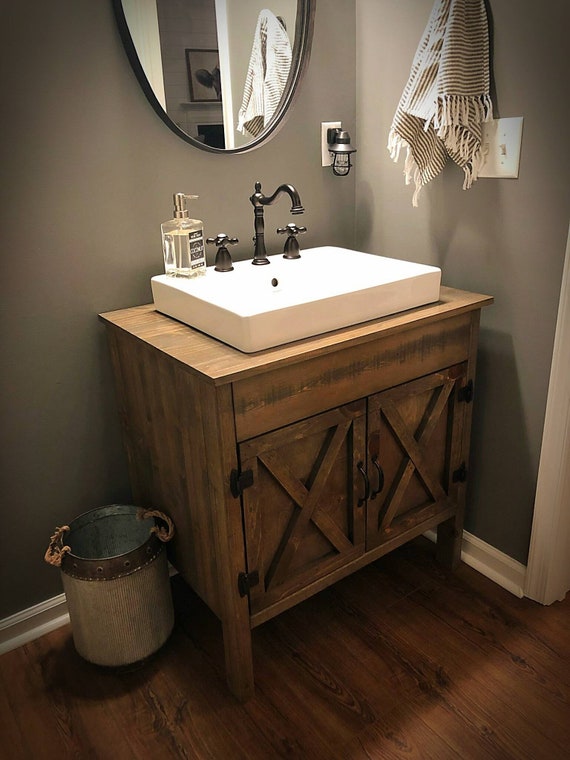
278	397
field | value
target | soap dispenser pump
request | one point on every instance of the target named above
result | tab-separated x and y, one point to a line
183	241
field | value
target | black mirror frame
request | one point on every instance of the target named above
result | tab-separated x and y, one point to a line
301	48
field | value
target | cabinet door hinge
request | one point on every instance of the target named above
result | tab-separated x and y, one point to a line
246	581
460	475
239	481
466	393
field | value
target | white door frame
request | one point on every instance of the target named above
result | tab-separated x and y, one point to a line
548	570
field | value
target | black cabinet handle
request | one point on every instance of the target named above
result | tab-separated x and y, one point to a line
376	464
363	500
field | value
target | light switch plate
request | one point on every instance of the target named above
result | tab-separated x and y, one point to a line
503	138
325	153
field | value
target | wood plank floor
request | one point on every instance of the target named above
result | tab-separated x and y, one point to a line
401	660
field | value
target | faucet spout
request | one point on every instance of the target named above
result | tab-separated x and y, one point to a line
259	201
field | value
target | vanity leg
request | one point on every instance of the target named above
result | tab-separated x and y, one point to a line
449	540
450	532
238	659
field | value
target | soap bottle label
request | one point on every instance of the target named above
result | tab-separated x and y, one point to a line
197	253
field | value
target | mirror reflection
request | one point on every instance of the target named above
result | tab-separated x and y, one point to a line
219	72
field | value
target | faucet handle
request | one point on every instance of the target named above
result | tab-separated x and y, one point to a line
291	249
291	229
223	262
222	239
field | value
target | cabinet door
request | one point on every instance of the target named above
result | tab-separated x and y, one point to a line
414	455
304	513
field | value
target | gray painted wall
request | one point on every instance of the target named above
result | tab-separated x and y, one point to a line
503	237
91	172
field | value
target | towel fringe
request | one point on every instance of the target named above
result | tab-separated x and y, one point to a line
394	145
454	110
411	169
413	173
472	169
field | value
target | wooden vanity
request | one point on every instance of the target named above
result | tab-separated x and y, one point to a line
288	469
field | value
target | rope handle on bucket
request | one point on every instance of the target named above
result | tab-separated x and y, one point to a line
164	534
56	550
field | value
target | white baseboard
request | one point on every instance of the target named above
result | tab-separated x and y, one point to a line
42	618
490	562
33	622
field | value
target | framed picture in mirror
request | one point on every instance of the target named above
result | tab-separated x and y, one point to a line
203	75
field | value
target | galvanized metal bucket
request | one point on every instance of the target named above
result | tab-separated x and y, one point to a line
115	577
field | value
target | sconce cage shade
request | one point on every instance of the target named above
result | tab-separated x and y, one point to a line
341	164
340	150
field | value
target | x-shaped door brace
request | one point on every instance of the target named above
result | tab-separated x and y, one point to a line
308	502
414	445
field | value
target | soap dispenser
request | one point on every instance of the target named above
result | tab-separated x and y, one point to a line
183	241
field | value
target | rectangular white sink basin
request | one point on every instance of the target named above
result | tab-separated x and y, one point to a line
257	307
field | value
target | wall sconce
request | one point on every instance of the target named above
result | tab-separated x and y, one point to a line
340	150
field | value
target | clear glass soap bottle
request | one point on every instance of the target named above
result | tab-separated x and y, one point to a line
183	241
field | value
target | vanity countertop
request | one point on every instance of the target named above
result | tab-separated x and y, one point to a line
221	364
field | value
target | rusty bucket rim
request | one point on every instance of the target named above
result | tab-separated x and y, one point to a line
117	565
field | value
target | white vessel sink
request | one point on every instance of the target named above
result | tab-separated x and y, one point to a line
257	307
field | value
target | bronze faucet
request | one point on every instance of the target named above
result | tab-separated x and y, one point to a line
259	201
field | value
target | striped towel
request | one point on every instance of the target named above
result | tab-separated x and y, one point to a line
267	74
446	98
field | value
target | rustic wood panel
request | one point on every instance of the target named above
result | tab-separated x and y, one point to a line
180	436
401	660
169	438
302	516
411	431
291	393
165	439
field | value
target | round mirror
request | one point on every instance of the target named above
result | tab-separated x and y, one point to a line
220	73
